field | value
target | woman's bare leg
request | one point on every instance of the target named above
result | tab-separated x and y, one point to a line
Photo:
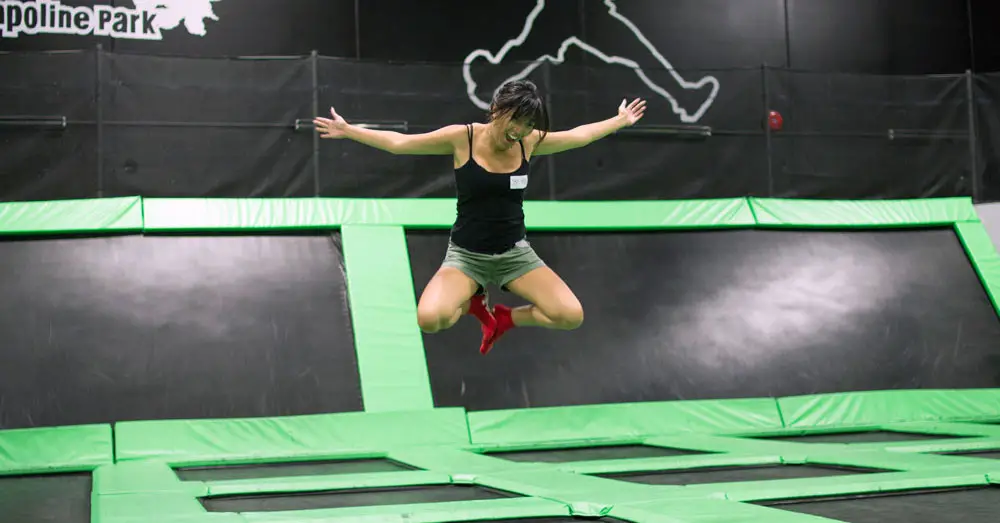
552	304
445	299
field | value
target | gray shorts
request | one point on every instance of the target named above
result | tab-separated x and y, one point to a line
497	269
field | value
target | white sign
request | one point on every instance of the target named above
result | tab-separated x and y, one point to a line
560	57
144	22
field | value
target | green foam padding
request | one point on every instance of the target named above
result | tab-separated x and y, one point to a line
58	449
223	214
984	257
862	213
108	215
114	508
254	440
681	510
423	513
388	341
322	483
879	407
622	420
142	477
182	214
840	485
154	517
732	212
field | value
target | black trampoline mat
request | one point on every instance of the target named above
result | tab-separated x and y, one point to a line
971	505
736	474
49	498
984	454
724	314
592	453
871	436
289	469
352	498
175	327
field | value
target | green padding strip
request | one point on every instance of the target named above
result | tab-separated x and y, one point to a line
387	339
59	449
423	512
842	485
622	420
157	517
880	407
72	216
984	257
638	214
323	483
156	506
884	213
209	442
183	214
682	510
142	477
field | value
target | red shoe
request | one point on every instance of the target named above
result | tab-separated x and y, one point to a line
479	309
502	323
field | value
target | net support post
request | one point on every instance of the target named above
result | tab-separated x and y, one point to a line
766	99
99	108
973	140
314	59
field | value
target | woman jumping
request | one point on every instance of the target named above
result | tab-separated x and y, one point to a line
488	243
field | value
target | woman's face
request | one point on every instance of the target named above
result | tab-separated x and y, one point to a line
508	132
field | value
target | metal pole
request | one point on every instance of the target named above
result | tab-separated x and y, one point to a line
973	161
766	99
315	107
100	121
550	159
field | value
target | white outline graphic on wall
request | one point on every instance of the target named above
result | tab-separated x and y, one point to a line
529	22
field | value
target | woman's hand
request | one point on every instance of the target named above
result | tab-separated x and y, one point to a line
332	128
632	112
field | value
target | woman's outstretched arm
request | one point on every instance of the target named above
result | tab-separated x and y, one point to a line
559	141
438	142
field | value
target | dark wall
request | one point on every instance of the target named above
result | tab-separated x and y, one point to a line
871	36
879	36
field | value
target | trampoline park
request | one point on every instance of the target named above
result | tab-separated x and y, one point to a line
742	360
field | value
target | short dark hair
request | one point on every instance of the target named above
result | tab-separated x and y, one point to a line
520	100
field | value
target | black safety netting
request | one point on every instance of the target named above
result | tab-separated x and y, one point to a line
987	96
674	158
206	127
48	136
88	124
868	136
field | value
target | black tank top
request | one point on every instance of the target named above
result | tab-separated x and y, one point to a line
490	206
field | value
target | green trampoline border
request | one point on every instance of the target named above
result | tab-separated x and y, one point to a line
400	421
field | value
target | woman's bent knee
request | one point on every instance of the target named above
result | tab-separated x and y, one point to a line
434	320
568	318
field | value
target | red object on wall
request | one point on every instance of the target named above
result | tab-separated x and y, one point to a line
775	121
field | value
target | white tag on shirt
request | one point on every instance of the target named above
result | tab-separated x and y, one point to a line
519	182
